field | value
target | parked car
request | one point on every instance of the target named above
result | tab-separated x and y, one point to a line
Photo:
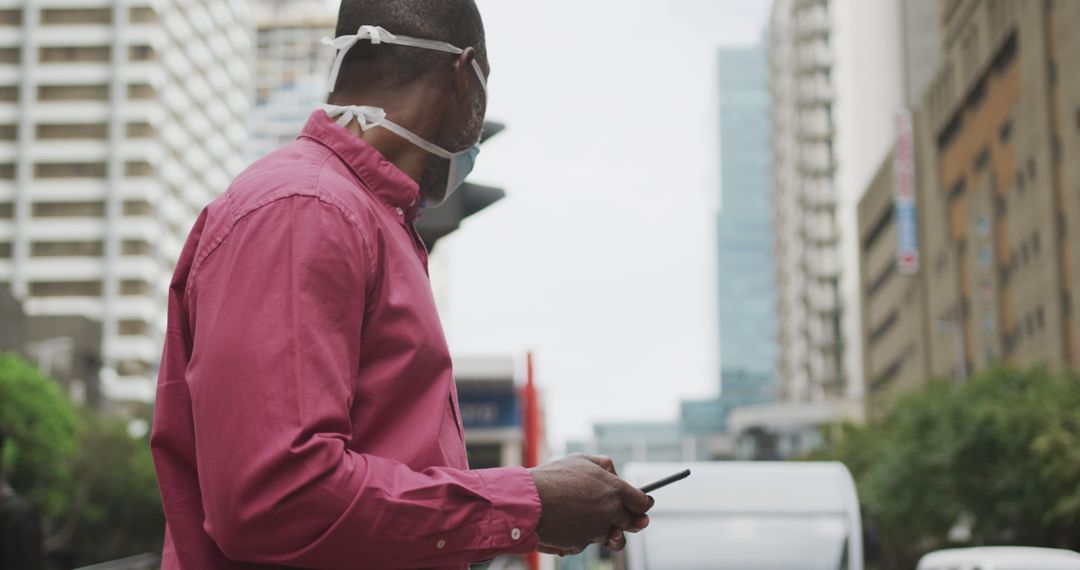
1001	558
747	516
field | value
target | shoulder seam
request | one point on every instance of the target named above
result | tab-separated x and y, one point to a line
227	231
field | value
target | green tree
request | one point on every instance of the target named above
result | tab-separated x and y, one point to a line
998	456
117	510
42	429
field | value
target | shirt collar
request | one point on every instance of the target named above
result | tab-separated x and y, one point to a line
392	186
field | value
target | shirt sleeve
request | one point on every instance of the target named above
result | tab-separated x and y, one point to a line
276	315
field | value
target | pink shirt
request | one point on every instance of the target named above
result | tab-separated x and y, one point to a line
306	412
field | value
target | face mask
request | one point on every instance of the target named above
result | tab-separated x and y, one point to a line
461	162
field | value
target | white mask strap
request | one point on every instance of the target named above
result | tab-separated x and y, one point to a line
379	35
369	117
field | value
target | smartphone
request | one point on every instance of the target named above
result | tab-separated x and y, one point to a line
665	481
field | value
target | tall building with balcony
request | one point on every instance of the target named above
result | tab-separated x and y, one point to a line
291	69
119	121
839	70
808	298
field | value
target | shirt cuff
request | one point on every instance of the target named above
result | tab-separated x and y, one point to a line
516	508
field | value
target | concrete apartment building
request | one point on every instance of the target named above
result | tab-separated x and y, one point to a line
832	125
118	122
997	201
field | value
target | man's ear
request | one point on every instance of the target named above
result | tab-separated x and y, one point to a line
464	76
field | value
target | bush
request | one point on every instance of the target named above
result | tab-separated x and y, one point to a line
42	430
93	483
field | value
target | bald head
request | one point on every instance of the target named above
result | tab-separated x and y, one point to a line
386	67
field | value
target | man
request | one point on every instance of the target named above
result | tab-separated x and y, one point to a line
306	412
21	546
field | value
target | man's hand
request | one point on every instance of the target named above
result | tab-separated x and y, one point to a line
583	501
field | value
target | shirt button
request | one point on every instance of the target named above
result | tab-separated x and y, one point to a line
440	545
399	211
515	534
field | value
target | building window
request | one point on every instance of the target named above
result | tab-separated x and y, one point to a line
67	248
7	171
11	17
66	289
956	191
135	247
5	250
883	328
1005	133
140	131
68	209
70	170
10	55
883	222
132	327
137	208
7	210
62	17
141	53
8	132
143	15
73	93
82	54
138	168
881	280
86	131
132	368
135	287
982	159
141	91
9	93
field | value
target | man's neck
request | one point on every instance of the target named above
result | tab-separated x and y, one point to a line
410	110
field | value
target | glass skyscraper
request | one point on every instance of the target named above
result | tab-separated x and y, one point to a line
748	348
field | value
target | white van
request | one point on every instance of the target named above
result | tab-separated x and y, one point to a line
747	516
1001	558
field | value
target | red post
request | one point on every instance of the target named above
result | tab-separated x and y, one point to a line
531	455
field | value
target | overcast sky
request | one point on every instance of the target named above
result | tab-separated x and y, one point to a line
601	259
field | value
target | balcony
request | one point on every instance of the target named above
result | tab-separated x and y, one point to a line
814	56
815	126
812	21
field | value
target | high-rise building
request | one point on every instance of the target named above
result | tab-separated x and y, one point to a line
291	69
118	122
996	204
839	69
744	229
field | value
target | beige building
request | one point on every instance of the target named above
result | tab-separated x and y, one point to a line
996	202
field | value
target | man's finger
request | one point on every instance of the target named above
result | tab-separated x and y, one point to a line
639	524
617	541
634	500
552	550
605	462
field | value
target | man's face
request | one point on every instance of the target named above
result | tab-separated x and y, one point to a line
465	123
